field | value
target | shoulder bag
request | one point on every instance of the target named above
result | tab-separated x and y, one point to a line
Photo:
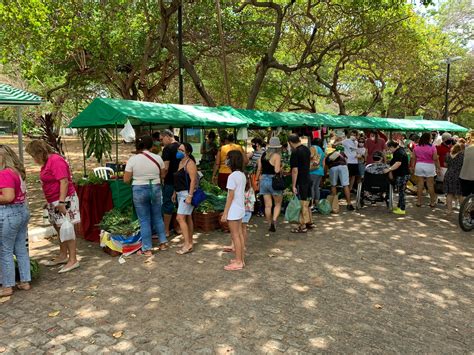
199	195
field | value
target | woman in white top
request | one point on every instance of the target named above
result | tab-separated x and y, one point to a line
146	170
235	207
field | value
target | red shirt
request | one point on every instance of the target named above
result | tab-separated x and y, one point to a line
9	179
55	169
373	146
442	151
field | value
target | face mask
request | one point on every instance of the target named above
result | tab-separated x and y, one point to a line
254	146
361	145
179	155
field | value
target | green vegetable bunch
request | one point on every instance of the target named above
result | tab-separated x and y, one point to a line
206	207
120	222
210	188
92	179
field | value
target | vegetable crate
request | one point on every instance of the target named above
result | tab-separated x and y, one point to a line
206	222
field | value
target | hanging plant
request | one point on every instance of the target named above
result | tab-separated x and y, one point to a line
97	142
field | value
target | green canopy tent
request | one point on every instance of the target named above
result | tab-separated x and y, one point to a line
10	96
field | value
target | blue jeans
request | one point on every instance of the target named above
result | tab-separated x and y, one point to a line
147	202
13	233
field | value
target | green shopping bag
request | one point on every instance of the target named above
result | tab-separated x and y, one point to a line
324	207
293	210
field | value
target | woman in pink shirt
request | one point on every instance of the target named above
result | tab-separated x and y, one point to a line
14	217
61	197
425	165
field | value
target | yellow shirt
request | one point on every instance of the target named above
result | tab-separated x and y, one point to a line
223	168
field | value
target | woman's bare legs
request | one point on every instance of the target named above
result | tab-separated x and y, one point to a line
277	210
268	207
431	190
185	231
420	185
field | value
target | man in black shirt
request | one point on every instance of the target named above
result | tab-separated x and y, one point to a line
400	171
300	163
171	166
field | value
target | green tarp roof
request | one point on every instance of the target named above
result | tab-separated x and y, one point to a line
109	112
11	96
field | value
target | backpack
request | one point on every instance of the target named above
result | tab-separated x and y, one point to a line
315	161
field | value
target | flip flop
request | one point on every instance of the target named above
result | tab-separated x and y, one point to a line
233	267
228	250
4	293
310	226
163	246
184	251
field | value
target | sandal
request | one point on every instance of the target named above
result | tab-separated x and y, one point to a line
184	251
228	250
310	226
6	291
25	286
163	246
146	253
299	230
233	267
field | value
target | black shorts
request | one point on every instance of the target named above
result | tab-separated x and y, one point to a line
467	187
353	169
304	190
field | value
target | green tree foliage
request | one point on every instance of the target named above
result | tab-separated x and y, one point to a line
377	57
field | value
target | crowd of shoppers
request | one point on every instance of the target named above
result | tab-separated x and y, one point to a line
159	183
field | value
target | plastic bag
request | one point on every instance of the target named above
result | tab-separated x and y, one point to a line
293	210
324	207
128	133
334	201
66	232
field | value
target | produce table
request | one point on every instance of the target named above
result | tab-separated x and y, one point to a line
94	201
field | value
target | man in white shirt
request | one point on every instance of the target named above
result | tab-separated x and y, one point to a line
350	150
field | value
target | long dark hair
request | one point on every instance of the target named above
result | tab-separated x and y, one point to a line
425	139
189	149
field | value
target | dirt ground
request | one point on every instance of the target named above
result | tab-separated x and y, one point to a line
362	282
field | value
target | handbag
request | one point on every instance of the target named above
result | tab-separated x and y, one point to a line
278	182
199	196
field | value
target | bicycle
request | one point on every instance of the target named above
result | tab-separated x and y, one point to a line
466	214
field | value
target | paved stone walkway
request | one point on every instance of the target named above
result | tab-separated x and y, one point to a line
362	283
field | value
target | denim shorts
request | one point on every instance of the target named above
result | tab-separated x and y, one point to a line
247	216
266	187
183	207
341	173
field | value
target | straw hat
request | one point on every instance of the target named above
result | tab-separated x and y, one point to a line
274	143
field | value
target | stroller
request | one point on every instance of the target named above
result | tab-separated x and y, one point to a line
374	188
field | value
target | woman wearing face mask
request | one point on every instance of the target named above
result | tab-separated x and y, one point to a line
361	152
373	144
147	171
185	183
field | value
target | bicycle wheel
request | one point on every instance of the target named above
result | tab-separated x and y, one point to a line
466	214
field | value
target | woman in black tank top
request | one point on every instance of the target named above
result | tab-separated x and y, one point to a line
269	165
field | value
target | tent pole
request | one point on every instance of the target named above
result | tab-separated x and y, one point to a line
116	148
20	133
83	154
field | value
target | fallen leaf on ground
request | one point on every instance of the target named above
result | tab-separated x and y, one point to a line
133	315
200	261
118	334
148	261
267	235
156	299
2	349
54	313
271	255
378	306
4	299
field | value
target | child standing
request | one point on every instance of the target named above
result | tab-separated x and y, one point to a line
234	210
